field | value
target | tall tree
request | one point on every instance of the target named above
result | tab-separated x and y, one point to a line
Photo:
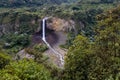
77	59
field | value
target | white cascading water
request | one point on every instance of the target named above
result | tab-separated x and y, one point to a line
44	39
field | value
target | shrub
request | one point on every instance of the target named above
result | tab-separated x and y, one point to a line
4	60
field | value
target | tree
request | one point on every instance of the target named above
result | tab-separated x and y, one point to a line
24	70
100	60
4	59
77	59
108	43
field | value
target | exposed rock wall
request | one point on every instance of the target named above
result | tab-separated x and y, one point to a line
58	24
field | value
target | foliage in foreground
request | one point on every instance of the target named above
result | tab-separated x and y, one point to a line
24	70
99	60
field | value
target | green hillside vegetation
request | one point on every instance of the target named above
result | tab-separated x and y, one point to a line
19	3
4	59
19	29
24	69
99	60
93	50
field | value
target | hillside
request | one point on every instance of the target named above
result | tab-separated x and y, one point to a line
59	40
18	3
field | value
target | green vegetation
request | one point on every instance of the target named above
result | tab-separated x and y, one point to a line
24	69
17	39
16	3
37	51
99	60
78	61
40	48
19	26
93	48
4	59
19	21
15	42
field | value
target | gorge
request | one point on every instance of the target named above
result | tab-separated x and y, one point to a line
61	58
59	39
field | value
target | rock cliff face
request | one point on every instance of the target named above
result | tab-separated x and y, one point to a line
58	24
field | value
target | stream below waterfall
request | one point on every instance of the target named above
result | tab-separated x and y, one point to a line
59	55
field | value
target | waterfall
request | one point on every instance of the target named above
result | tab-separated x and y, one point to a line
44	39
43	31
